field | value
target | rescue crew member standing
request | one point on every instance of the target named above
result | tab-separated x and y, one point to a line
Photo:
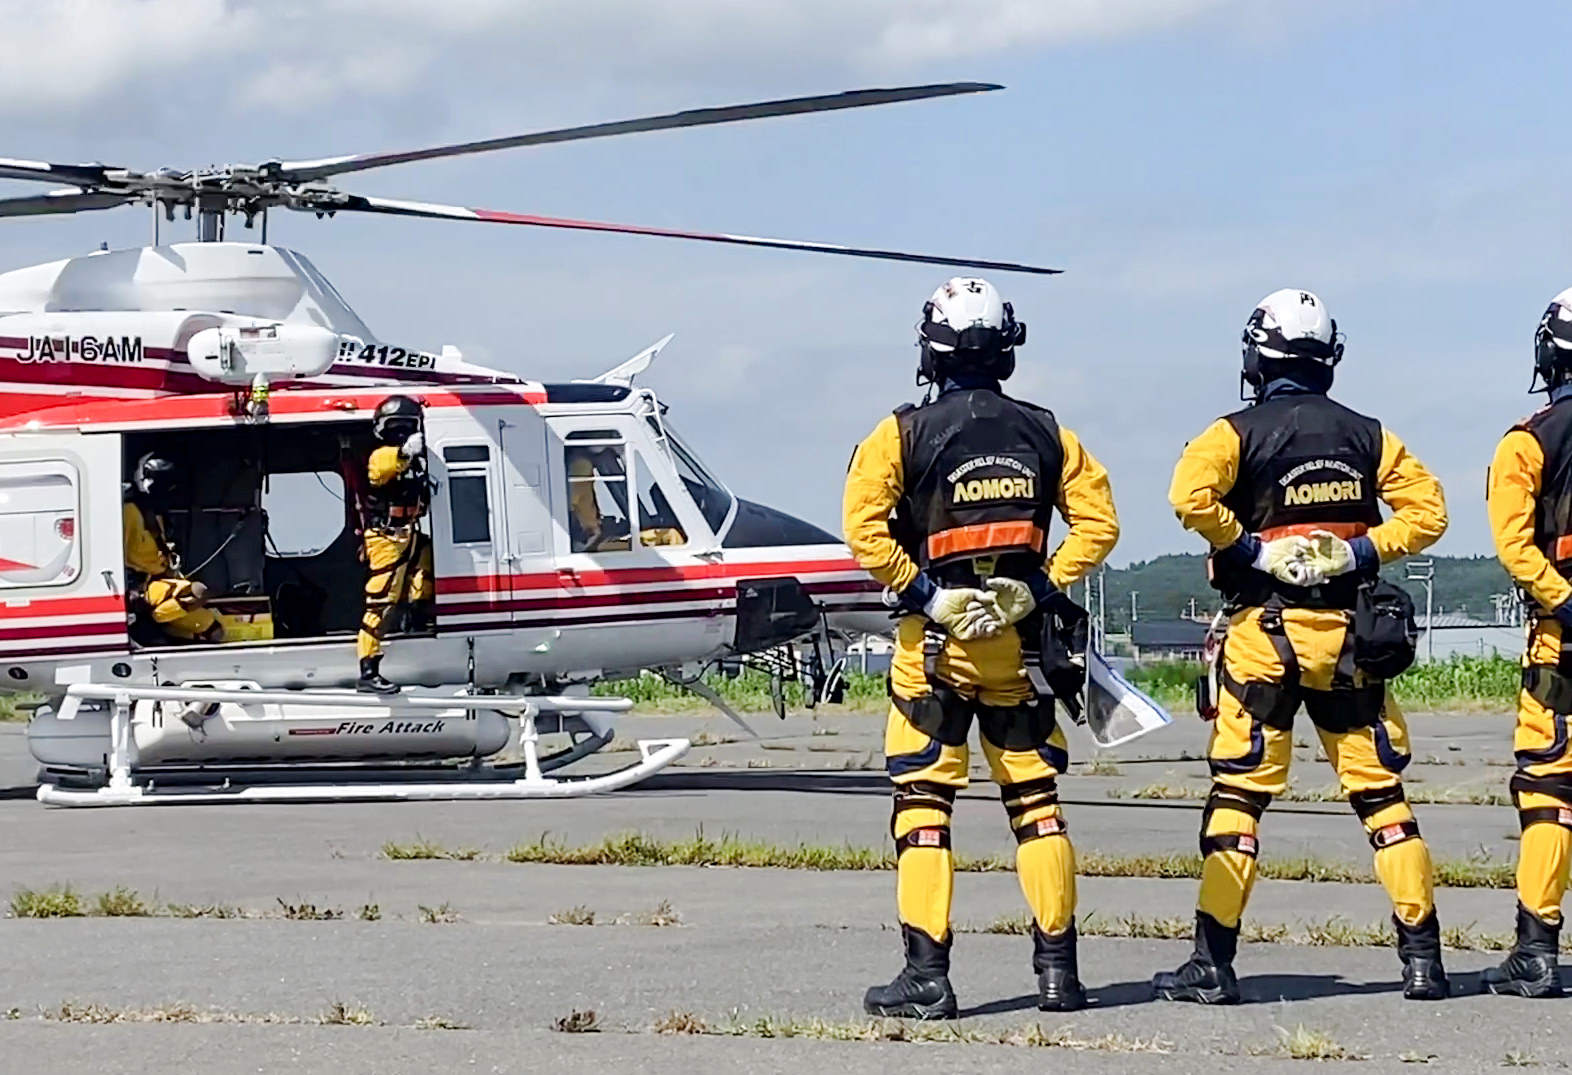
1530	502
1286	491
948	505
174	602
398	555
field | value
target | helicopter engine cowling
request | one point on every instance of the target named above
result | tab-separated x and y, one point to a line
239	354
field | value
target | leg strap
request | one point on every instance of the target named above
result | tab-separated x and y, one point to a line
941	714
1547	685
1243	842
1250	803
932	836
1556	785
1028	795
1395	833
1273	704
1370	802
1054	825
924	795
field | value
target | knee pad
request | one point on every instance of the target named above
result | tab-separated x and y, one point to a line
922	795
1027	796
1250	803
1369	803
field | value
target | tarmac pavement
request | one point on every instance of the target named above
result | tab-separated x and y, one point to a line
786	947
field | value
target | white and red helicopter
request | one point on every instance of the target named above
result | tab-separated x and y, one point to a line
244	365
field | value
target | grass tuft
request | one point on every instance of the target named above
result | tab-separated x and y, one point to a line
369	912
121	902
663	914
422	848
341	1014
308	912
577	1022
440	915
57	901
439	1022
1302	1043
679	1022
579	915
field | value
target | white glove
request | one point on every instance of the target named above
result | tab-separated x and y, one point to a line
1289	559
1011	600
413	446
965	613
1331	555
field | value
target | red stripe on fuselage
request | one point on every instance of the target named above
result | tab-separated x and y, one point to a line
634	576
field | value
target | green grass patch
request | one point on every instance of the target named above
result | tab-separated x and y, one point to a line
642	849
17	708
57	901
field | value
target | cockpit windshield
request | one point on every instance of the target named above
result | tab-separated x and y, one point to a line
711	496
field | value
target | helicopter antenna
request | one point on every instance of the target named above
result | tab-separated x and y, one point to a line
249	190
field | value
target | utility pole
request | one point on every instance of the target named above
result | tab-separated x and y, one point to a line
1424	571
1102	609
1135	611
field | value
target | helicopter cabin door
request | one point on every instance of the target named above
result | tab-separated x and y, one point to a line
62	574
491	516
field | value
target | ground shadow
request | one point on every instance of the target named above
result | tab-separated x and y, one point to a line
1259	989
865	782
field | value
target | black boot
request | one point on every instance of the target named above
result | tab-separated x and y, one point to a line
1419	947
1530	970
372	681
922	989
1208	976
1059	986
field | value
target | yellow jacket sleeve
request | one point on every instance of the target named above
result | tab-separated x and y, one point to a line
1086	503
873	487
1511	497
1206	471
581	493
386	463
1414	495
141	547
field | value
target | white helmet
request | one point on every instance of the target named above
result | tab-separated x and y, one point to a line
1553	343
966	324
1289	325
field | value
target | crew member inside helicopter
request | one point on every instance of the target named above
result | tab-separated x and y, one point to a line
175	603
593	468
398	554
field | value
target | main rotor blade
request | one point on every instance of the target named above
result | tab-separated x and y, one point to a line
305	171
62	201
358	204
81	175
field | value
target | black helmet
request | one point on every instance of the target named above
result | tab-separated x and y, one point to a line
1553	344
156	478
396	419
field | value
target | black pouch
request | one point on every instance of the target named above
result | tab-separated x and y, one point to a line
1065	632
1386	637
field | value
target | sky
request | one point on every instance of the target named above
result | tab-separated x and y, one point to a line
1179	159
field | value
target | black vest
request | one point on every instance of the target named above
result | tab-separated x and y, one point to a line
1551	426
982	476
400	500
1305	463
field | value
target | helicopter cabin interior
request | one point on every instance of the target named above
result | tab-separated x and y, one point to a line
268	520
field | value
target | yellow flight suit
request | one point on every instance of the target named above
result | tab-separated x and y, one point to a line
927	772
398	555
1250	757
1540	741
173	601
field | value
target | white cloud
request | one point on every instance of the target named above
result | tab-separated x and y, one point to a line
283	55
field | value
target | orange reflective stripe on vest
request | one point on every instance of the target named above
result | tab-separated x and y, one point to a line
983	538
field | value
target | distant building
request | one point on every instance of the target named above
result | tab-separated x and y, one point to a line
1461	636
1167	640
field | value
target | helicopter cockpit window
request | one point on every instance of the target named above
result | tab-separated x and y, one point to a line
597	492
711	496
658	523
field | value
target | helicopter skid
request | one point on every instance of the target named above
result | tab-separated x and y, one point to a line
459	783
136	778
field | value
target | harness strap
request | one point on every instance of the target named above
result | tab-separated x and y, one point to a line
1368	803
1395	833
1243	842
1549	686
1545	815
1053	825
930	837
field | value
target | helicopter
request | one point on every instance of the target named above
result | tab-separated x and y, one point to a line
241	363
